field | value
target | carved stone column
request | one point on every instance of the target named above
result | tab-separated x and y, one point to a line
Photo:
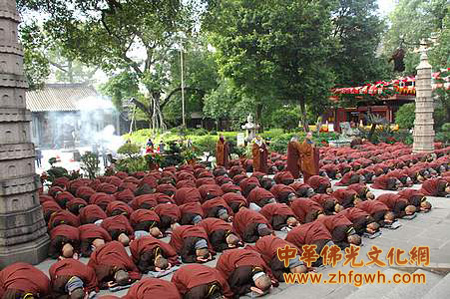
23	233
423	123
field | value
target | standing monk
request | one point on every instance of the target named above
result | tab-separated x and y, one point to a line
260	154
308	155
293	157
222	152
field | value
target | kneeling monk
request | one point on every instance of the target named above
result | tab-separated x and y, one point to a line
220	234
65	241
22	280
245	271
191	243
436	187
153	288
201	282
279	215
251	225
119	228
342	231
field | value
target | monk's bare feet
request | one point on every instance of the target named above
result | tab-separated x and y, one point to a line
111	284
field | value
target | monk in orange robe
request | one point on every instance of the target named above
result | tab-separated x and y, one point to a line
293	157
222	152
308	155
260	154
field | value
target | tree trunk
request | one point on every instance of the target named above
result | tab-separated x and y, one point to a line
303	114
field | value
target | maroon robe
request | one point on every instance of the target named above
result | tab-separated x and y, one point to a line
145	201
142	215
319	183
260	196
306	209
189	277
63	197
91	231
345	197
91	213
293	159
168	214
101	199
277	214
68	268
308	234
210	191
25	278
245	223
282	192
153	288
115	225
118	208
230	188
75	205
127	194
63	217
188	194
167	189
434	187
284	177
210	207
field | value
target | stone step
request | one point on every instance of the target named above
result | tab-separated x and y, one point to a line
415	291
375	291
440	290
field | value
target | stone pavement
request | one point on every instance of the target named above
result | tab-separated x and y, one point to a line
430	229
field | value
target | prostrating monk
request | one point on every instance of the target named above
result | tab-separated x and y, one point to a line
187	194
91	214
331	171
362	221
151	254
309	158
119	228
235	201
101	199
63	217
168	214
283	193
250	225
220	234
146	221
320	184
71	278
92	236
260	155
65	241
313	233
397	204
217	208
210	191
363	191
346	197
113	266
436	187
75	205
306	209
191	243
167	189
261	197
279	215
191	213
416	198
222	152
144	201
118	208
267	246
329	203
62	198
302	190
378	210
22	280
342	231
48	208
284	177
386	182
153	288
351	178
248	184
246	271
293	157
201	282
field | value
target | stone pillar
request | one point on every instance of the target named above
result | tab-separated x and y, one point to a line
23	233
423	123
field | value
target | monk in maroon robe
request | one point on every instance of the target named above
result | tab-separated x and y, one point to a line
329	203
167	189
217	208
363	191
331	171
267	246
75	205
436	187
118	208
342	231
48	208
84	192
231	188
279	215
284	177
146	220
251	225
302	190
192	244
168	214
351	178
306	209
191	213
261	197
320	184
293	158
313	233
71	278
362	221
248	184
260	155
65	241
378	210
385	182
21	279
187	194
283	193
246	271
346	197
145	201
201	282
91	214
62	198
63	217
222	152
416	198
113	266
153	288
119	228
101	199
397	204
92	236
235	201
151	254
210	191
220	234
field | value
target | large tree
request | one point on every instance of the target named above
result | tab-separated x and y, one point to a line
132	36
275	49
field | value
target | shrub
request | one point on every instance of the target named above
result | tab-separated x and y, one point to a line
90	164
444	134
129	149
286	118
405	116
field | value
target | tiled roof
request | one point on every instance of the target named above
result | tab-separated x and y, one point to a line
60	97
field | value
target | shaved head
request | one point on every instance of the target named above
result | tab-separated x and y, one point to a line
263	282
67	250
299	269
370	195
410	210
122	277
202	253
389	217
425	206
156	232
372	227
161	262
124	239
232	240
292	221
354	239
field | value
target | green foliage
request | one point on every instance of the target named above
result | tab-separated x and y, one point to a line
444	134
286	118
90	164
132	164
129	149
405	116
